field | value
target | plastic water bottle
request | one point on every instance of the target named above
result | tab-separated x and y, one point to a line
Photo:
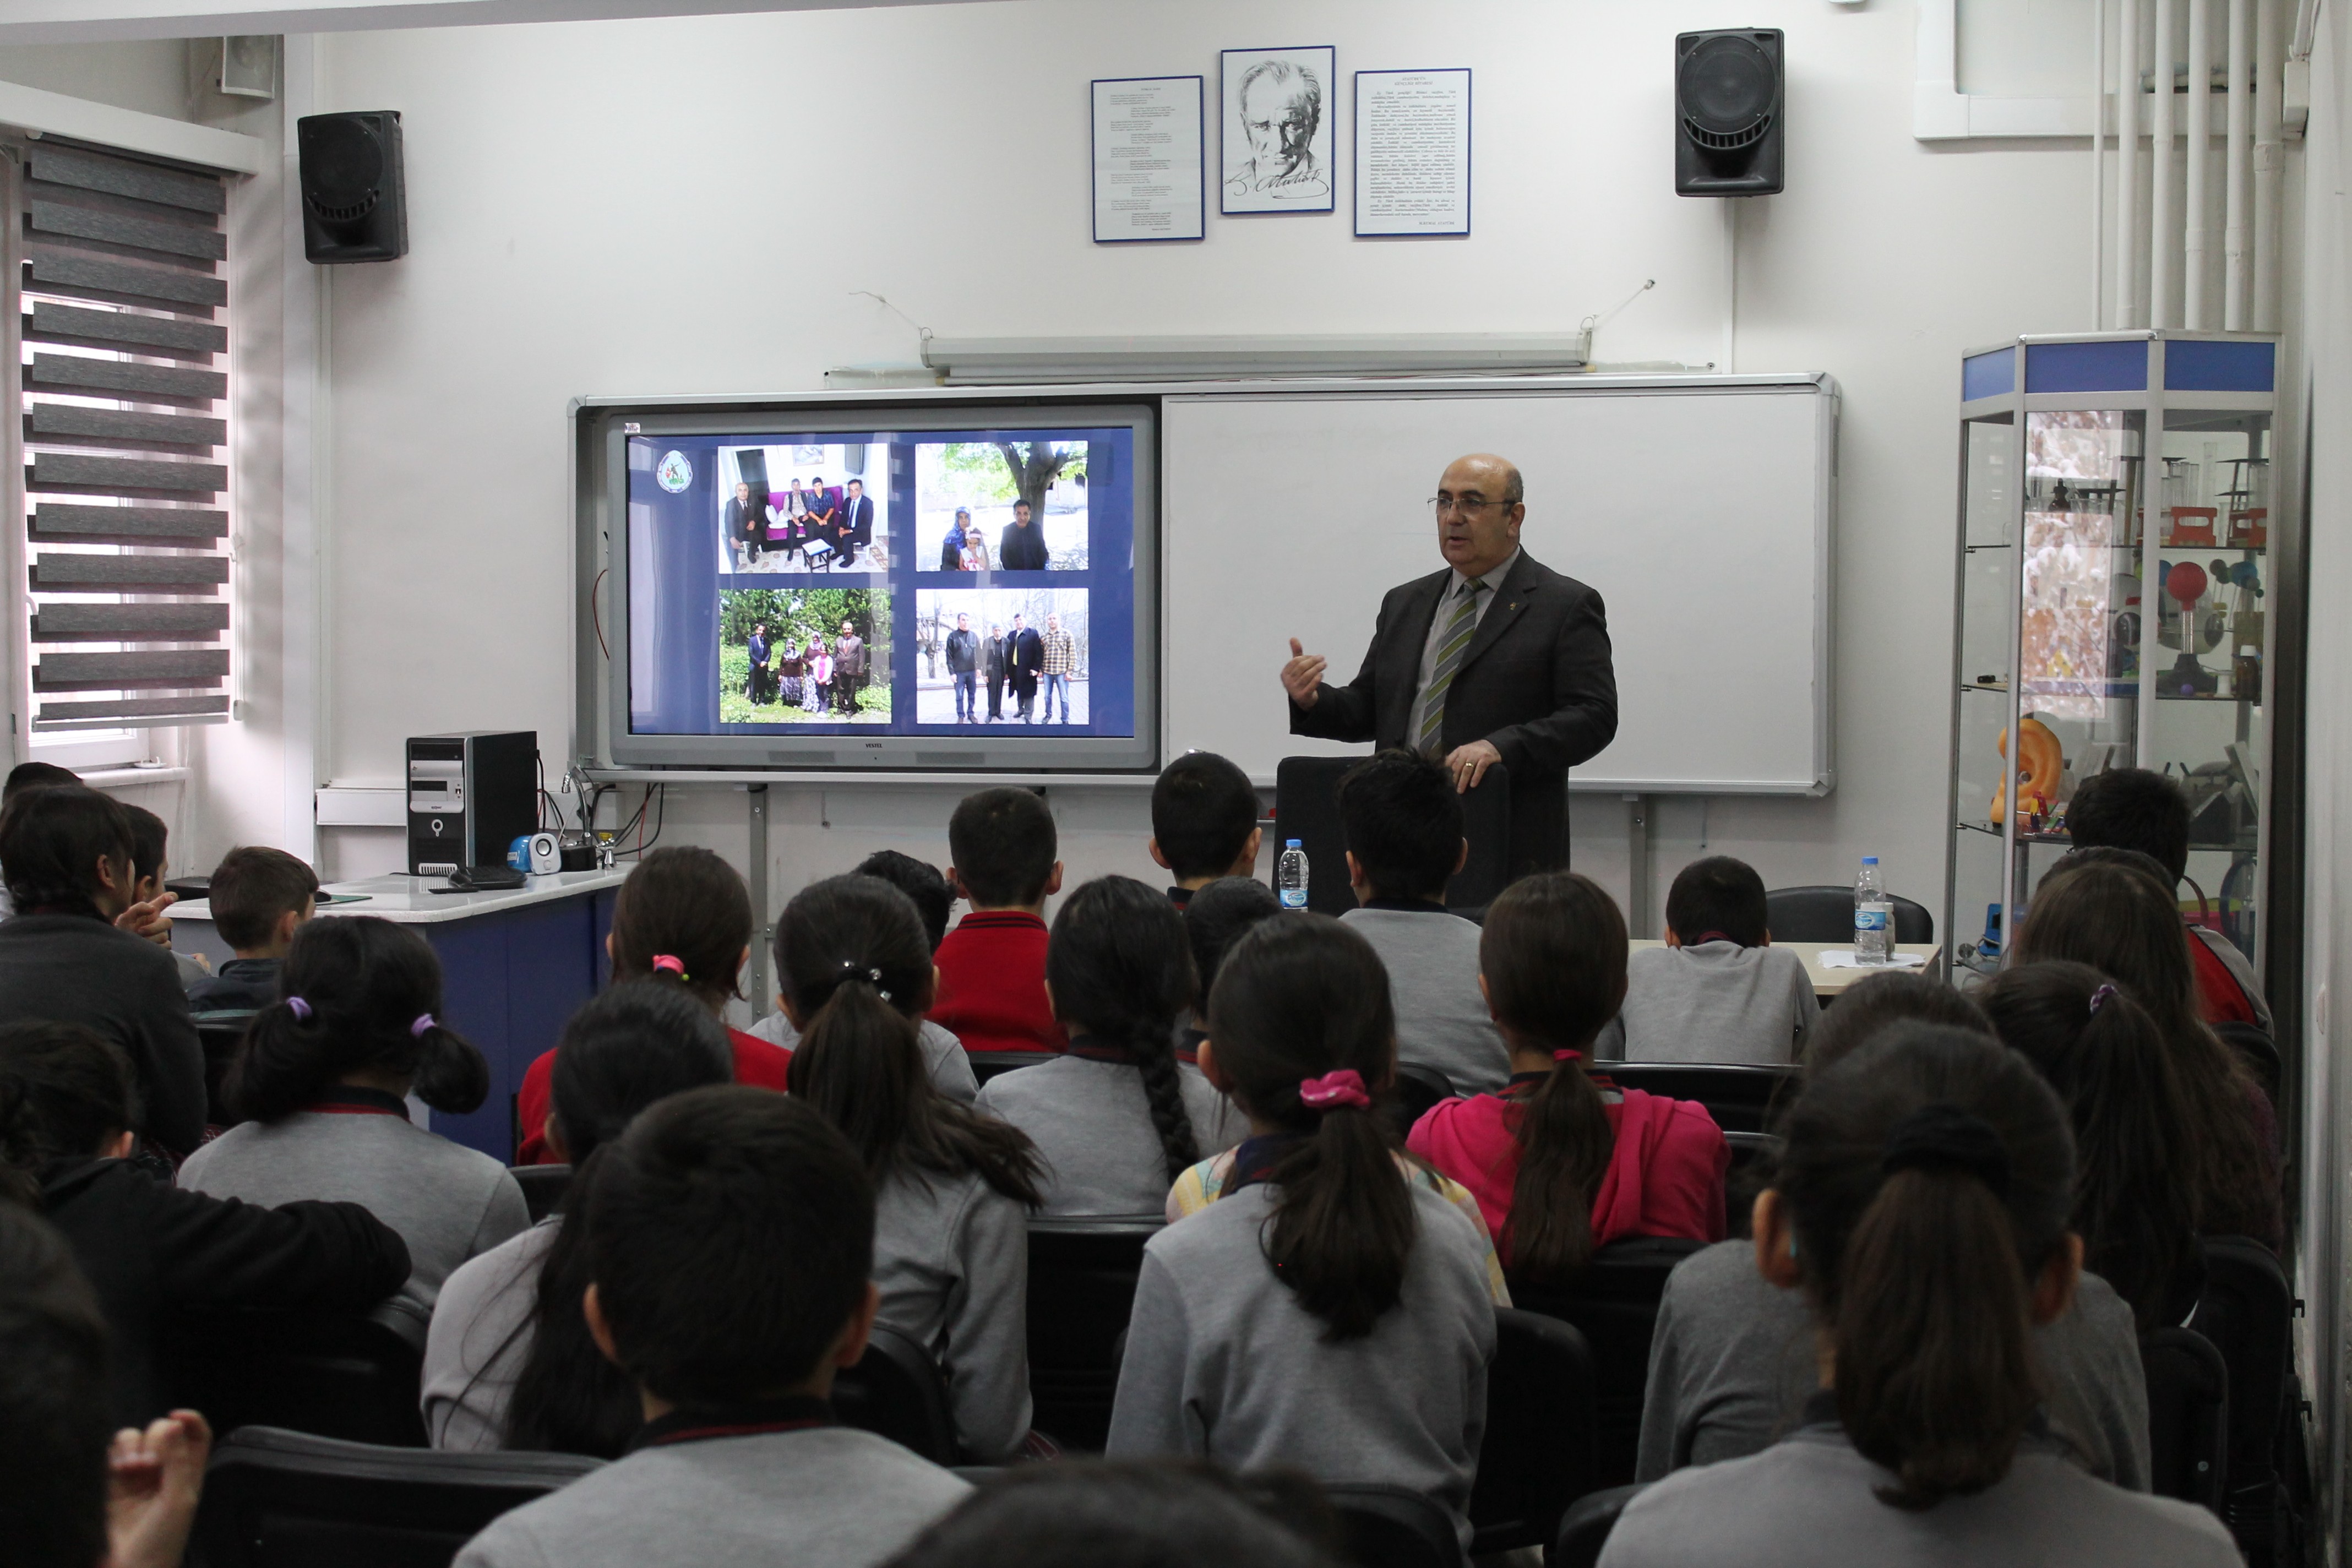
1290	876
1873	916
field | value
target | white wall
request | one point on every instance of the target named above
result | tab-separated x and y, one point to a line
684	207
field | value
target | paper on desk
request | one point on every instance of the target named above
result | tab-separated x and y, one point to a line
1843	958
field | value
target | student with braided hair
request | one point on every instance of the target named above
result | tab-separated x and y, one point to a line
1119	1119
325	1073
953	1189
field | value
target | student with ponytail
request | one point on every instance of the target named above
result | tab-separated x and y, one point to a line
325	1073
2134	1196
683	919
509	1362
953	1189
1326	1311
1921	1207
1562	1162
1119	1119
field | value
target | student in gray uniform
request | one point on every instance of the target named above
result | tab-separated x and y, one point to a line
1325	1312
1119	1119
953	1189
943	1054
1096	1513
1215	916
325	1073
729	1238
1732	1362
1718	991
509	1362
1403	825
1921	1207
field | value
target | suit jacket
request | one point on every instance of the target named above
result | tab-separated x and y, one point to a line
1537	682
849	657
992	657
857	519
1024	651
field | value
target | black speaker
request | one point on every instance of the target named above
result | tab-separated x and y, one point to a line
1729	89
354	207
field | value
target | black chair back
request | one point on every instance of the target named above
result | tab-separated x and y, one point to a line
2258	1050
1754	1158
355	1378
1584	1529
2247	1310
1418	1088
897	1391
274	1498
986	1065
1740	1097
1307	808
1082	1274
1537	1453
1615	1305
1393	1527
219	1033
1821	913
2188	1417
544	1188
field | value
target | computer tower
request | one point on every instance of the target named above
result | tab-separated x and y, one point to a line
469	796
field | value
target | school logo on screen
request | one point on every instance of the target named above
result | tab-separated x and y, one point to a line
674	472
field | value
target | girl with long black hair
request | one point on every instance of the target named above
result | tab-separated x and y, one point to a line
1119	1118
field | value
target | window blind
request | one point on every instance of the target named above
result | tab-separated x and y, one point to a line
122	342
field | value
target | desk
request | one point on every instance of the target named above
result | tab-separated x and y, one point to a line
1831	983
515	964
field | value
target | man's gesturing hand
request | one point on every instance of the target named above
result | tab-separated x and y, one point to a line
1303	676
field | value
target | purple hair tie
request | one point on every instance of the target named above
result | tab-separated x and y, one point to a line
2099	998
299	1007
424	1021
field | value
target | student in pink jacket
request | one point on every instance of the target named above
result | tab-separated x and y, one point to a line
1562	1162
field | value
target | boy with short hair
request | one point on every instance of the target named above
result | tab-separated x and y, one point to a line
1203	823
1403	821
2135	808
150	841
992	990
1718	991
729	1235
258	896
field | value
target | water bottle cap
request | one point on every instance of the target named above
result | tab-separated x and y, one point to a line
1290	843
1870	859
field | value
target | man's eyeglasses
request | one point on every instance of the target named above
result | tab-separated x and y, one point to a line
1468	506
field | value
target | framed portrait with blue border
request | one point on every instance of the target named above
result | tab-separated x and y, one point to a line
1275	137
1151	161
1413	153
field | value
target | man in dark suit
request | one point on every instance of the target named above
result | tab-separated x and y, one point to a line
1022	547
1024	655
747	525
991	670
857	520
1495	659
848	670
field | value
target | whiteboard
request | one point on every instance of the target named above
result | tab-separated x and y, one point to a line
1701	510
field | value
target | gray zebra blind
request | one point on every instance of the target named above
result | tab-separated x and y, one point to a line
122	347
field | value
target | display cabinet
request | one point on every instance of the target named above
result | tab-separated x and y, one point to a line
2114	572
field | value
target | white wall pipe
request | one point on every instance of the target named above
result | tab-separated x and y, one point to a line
2194	204
2270	161
2128	165
2162	237
2233	177
2099	164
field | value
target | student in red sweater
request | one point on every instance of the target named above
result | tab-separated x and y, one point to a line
992	988
1562	1162
683	916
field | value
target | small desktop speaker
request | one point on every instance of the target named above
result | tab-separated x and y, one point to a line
354	207
1729	135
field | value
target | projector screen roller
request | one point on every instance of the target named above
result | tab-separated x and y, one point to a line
923	587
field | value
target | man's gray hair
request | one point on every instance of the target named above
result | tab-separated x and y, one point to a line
1515	489
1283	73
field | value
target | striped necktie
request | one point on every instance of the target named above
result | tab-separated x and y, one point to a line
1451	647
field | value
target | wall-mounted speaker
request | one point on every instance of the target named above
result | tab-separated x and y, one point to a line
1729	130
354	205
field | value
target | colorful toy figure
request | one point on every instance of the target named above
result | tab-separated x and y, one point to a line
2038	775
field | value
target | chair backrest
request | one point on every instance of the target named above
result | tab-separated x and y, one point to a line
897	1391
1742	1096
1755	1156
350	1377
276	1498
1537	1453
544	1188
1418	1087
1307	808
2247	1311
1823	913
2258	1050
1614	1303
2188	1417
1394	1527
986	1065
219	1033
1584	1528
1082	1274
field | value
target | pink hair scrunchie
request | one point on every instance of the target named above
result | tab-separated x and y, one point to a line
1568	1056
668	964
1343	1087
